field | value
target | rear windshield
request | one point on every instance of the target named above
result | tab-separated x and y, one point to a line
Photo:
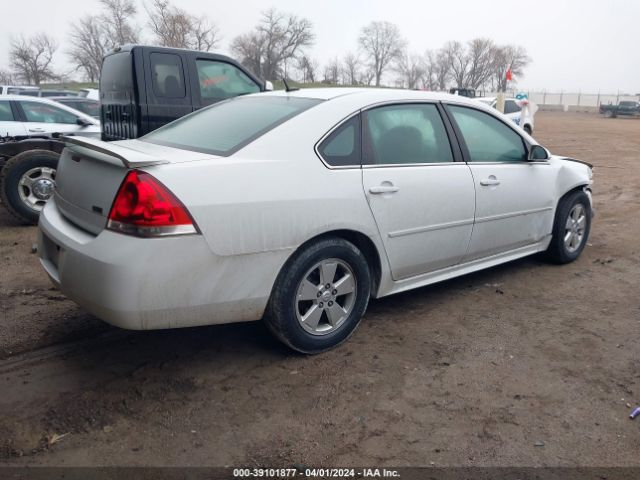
116	74
226	127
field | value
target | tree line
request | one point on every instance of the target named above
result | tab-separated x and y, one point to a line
277	47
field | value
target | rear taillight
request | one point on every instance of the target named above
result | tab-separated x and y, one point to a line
145	208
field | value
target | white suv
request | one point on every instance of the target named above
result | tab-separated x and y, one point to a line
22	116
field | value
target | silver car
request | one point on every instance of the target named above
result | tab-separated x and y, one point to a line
298	207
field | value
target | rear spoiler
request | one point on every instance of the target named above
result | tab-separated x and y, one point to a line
115	154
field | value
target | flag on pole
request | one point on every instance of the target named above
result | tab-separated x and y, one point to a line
509	74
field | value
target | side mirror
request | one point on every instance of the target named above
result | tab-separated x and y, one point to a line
538	152
82	122
268	86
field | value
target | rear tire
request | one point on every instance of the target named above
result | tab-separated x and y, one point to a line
319	296
26	183
608	114
571	228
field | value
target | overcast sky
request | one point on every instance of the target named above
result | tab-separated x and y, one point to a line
586	45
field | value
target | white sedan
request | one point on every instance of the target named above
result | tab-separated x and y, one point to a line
298	207
23	116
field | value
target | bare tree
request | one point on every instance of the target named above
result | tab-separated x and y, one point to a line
382	44
88	46
367	76
332	72
458	61
351	69
31	57
411	68
439	69
481	53
250	49
278	37
174	27
505	57
308	66
116	22
6	77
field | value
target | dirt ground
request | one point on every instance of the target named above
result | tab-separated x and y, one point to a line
526	364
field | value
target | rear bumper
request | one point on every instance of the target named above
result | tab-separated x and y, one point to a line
141	284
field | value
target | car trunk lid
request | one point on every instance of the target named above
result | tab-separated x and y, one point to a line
88	177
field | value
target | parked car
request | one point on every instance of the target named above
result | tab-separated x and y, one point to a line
144	87
82	104
298	207
465	92
28	167
15	90
90	93
513	110
24	117
625	108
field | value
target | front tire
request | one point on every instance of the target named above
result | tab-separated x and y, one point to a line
27	182
571	228
320	296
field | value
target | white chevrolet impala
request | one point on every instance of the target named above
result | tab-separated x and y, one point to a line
298	207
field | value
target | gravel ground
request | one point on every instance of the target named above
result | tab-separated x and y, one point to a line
526	364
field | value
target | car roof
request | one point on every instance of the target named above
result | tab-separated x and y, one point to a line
24	87
28	97
369	94
129	47
67	98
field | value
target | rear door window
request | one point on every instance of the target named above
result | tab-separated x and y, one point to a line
42	113
221	80
6	115
406	134
167	75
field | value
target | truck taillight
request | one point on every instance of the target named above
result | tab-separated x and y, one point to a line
145	208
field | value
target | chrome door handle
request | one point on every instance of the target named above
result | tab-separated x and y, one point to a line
490	181
36	130
383	189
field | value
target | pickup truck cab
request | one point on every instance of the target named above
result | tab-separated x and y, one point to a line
143	88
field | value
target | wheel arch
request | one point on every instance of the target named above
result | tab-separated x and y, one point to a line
582	187
360	240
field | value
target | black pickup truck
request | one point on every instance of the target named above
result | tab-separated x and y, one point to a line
144	87
141	88
626	108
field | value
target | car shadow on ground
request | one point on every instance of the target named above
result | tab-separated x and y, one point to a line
253	338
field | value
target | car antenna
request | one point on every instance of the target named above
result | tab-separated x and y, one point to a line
287	87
